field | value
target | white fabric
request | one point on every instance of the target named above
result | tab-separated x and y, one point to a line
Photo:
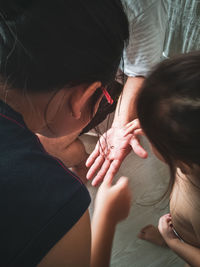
183	30
148	21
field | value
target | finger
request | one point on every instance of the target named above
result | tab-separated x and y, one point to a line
137	148
161	222
139	132
95	167
130	127
135	122
165	220
114	167
168	219
167	216
100	148
100	175
92	157
131	130
130	123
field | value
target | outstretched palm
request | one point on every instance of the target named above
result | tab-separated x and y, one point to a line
111	150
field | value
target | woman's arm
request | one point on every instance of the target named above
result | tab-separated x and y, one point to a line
73	249
125	111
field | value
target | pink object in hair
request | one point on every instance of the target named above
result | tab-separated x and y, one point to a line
108	97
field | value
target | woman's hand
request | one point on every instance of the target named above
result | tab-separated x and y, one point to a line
111	150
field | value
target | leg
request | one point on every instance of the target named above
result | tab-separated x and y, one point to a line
70	150
76	151
151	233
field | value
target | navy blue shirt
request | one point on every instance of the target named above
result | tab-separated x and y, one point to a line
40	199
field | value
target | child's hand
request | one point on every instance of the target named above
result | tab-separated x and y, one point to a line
113	201
165	228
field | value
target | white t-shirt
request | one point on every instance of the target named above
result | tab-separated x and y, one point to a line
148	21
183	30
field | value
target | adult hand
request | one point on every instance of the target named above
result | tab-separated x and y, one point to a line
111	150
166	229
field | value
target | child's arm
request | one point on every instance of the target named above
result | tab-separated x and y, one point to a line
111	206
187	252
74	248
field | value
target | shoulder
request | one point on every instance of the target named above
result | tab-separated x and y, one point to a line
139	8
43	198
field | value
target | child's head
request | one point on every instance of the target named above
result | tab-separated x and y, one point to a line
169	110
49	45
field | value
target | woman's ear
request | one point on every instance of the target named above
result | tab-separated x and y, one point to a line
80	97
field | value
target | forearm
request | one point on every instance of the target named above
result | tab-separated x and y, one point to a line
102	237
187	252
125	111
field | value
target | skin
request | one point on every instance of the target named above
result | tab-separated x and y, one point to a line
183	217
104	160
70	150
186	251
188	227
93	247
109	157
72	107
100	165
104	218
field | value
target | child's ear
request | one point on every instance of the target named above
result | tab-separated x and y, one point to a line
185	169
80	97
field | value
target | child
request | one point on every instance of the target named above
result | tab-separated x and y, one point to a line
168	109
56	59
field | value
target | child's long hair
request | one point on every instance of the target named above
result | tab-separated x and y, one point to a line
168	108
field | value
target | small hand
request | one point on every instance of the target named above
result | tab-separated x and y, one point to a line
111	150
113	201
166	229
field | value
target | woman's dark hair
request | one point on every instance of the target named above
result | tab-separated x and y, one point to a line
168	108
47	44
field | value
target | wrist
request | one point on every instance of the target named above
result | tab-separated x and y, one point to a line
173	243
119	123
101	218
122	120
